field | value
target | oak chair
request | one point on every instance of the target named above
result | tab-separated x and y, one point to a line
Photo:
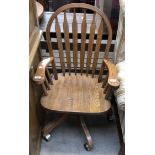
77	90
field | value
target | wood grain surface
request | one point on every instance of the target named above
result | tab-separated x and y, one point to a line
97	48
63	33
74	28
112	78
76	94
39	76
60	47
83	41
67	42
91	42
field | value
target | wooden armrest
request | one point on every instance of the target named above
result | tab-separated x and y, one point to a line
112	78
39	76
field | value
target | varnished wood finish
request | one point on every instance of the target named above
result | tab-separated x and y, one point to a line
76	94
47	84
74	29
91	42
73	92
49	76
54	70
105	81
67	45
53	64
39	76
106	88
101	72
87	134
97	48
61	54
112	78
83	41
52	125
79	94
108	93
44	89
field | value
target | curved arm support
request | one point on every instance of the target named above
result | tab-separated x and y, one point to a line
112	78
39	76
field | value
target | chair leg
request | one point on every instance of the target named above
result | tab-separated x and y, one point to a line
46	131
89	145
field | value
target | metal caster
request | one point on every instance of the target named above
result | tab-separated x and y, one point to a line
87	147
47	137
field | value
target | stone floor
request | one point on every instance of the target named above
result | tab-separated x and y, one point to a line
68	139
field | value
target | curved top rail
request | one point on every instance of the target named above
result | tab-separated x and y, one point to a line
84	6
79	5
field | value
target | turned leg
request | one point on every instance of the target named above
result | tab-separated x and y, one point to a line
89	145
51	126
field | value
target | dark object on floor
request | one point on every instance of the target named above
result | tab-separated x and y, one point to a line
122	150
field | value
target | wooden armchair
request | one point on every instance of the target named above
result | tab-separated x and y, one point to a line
77	90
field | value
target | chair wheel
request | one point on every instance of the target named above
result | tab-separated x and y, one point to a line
47	137
109	118
86	146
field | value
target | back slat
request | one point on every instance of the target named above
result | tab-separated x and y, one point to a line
85	48
60	47
67	44
83	41
91	41
97	48
101	72
49	76
74	31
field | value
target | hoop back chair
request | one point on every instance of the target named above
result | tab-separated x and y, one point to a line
77	90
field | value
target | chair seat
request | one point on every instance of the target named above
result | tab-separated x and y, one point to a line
76	94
